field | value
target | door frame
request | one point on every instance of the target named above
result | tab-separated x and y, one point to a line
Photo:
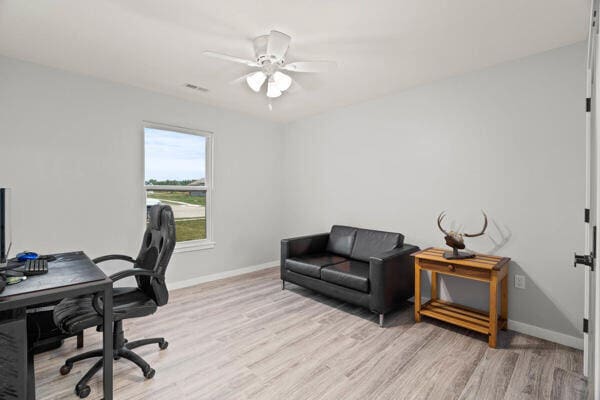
591	359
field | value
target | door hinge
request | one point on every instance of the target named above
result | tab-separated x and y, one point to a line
588	104
594	235
585	325
586	215
584	259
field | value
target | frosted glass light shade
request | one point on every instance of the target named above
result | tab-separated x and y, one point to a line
282	80
272	89
256	80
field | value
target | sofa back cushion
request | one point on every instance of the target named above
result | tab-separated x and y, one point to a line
341	240
369	243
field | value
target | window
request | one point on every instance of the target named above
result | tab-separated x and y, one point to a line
178	173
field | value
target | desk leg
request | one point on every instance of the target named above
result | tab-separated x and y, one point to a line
108	344
504	302
434	285
417	291
30	373
493	334
15	370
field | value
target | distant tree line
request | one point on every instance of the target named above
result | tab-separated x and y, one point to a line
170	182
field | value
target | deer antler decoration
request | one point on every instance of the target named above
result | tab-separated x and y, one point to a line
485	224
456	239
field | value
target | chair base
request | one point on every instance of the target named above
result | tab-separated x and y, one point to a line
121	349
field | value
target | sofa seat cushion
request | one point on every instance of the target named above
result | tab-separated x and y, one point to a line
311	265
351	274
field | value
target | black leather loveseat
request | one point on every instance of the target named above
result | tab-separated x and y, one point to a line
372	269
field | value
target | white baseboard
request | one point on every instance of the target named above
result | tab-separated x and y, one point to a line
220	275
532	330
546	334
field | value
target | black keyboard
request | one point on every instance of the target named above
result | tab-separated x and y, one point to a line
35	267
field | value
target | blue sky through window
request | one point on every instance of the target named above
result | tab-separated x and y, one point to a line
173	155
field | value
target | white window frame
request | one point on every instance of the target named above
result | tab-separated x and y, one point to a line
190	245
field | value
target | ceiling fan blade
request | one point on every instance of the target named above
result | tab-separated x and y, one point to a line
295	87
278	44
310	66
227	57
240	79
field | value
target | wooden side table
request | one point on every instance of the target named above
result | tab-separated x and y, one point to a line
484	268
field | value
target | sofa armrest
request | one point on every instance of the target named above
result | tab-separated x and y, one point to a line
392	278
300	246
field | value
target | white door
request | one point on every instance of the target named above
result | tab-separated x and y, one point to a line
591	366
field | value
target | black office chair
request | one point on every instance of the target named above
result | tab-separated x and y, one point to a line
76	314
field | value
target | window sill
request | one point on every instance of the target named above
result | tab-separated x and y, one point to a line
184	247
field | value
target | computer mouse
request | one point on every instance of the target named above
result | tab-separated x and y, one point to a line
27	255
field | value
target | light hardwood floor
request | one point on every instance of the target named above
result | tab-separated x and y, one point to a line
244	338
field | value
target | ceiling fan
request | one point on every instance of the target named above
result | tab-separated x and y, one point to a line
270	51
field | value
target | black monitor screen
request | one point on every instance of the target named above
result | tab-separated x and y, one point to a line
5	224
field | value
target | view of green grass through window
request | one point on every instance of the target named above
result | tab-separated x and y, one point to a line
175	174
190	222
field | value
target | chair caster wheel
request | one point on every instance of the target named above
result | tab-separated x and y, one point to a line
65	369
163	345
149	374
83	392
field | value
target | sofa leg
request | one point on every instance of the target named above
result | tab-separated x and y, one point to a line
282	284
381	320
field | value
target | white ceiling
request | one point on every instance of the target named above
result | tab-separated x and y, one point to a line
381	46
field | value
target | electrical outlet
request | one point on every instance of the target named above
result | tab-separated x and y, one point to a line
520	281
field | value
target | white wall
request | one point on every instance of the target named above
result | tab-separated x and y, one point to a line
508	139
72	148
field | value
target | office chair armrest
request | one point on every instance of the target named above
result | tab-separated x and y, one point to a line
115	277
132	272
113	257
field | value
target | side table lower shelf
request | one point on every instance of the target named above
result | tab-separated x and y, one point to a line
456	314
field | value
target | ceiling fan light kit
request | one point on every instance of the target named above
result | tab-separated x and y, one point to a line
256	80
272	89
282	81
270	51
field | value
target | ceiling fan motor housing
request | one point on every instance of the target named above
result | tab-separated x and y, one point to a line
260	51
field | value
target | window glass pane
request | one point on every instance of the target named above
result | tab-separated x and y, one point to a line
174	158
189	209
177	159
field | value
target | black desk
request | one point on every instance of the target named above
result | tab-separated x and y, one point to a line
70	275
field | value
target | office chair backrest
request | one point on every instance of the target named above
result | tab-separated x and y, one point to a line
158	245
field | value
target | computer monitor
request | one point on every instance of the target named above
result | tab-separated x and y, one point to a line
5	225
